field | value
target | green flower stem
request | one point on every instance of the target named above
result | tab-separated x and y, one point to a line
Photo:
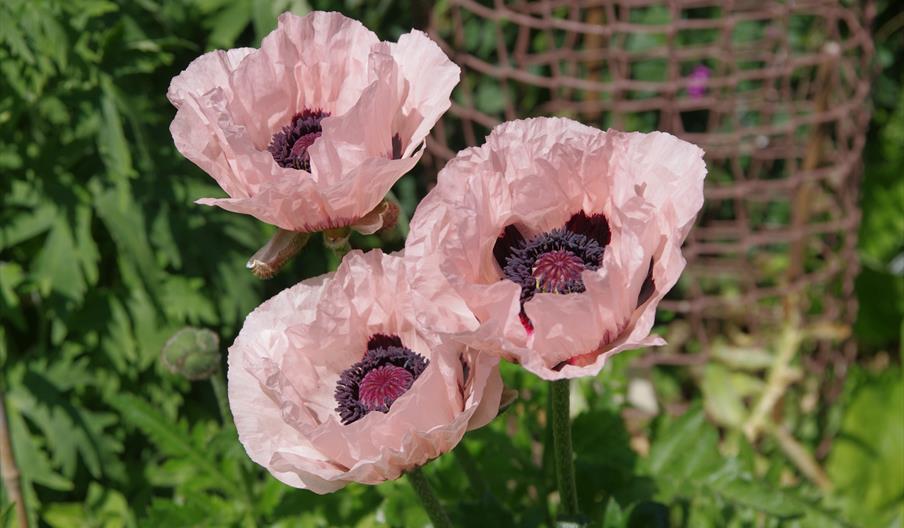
431	504
402	223
9	470
218	382
342	249
469	465
337	241
219	390
561	436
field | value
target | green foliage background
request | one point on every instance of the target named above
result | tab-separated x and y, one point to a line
103	257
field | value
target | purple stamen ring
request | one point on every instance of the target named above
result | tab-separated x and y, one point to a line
290	145
386	372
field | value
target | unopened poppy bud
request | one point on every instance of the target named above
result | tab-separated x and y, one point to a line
276	252
382	217
193	353
508	398
336	238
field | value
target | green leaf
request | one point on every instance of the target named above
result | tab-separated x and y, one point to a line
229	23
56	268
719	397
187	299
12	35
124	221
66	515
11	276
6	515
614	517
34	465
743	358
119	340
167	513
867	459
27	225
111	138
731	484
169	439
686	463
686	449
109	508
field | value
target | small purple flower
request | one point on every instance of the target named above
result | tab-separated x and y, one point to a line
696	88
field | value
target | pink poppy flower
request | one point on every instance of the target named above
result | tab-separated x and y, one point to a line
311	131
335	380
560	238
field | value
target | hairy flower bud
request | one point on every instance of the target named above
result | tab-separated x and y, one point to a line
193	353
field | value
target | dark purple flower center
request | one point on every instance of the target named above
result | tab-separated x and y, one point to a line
386	372
552	262
555	269
382	386
290	145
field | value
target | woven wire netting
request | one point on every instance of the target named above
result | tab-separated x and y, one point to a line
774	92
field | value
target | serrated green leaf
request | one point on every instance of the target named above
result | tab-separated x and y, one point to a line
169	439
11	276
108	508
111	138
119	341
56	267
732	485
77	434
6	515
229	23
167	513
186	299
867	459
614	516
746	358
32	460
686	449
720	399
27	225
124	221
12	35
66	515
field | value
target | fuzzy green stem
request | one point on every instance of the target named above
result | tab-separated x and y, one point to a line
218	383
561	436
9	469
342	249
277	251
469	465
337	241
431	504
219	390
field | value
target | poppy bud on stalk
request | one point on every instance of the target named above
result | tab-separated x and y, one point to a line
193	353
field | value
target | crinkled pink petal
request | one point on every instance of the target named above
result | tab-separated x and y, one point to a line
535	175
667	172
285	363
417	58
195	130
381	98
318	61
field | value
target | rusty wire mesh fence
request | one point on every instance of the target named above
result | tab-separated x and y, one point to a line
774	92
